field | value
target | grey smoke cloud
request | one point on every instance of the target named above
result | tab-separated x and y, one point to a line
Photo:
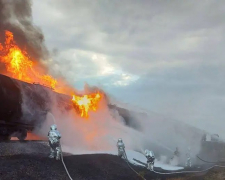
165	56
16	16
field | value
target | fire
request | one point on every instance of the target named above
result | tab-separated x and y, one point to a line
19	65
85	103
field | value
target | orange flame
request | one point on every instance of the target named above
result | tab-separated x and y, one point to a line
19	64
85	103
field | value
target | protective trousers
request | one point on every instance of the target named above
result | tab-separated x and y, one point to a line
55	150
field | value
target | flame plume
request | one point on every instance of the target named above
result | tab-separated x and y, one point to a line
19	65
86	103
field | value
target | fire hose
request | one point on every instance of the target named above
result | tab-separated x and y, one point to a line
183	172
166	173
130	166
180	172
64	164
210	161
127	161
61	154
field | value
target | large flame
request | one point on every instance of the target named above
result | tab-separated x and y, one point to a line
19	65
85	103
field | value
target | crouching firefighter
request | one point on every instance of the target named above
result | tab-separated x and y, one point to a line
150	159
121	149
54	142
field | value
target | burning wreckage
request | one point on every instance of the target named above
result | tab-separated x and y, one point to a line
25	103
25	106
26	92
27	95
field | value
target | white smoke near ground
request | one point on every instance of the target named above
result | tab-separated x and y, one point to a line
163	135
174	161
99	132
102	129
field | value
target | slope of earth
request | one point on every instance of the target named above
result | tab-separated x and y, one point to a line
29	160
162	133
214	174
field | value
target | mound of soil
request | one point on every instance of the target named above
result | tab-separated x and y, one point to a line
29	161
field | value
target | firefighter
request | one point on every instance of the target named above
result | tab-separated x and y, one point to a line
177	152
188	160
176	155
150	159
54	142
121	149
204	137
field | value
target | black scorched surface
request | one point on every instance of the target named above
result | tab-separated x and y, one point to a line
10	99
21	102
28	161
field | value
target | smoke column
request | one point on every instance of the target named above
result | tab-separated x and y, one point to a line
104	127
16	16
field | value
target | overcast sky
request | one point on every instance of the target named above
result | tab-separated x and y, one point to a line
164	56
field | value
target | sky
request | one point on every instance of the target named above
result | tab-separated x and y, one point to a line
162	56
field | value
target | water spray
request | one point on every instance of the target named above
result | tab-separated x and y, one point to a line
53	118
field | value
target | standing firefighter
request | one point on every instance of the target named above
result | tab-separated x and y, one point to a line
188	155
121	149
54	137
176	157
177	152
150	159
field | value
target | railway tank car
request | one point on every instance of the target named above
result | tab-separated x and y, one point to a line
24	106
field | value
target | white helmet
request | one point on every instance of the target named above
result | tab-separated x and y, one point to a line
146	151
53	127
151	154
120	140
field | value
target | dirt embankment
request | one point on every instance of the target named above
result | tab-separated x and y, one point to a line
29	160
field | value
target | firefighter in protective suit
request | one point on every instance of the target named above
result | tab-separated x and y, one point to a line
188	155
176	156
54	142
121	149
177	152
150	159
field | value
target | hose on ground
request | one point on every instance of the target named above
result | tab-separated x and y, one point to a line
61	154
64	164
131	167
209	161
185	172
179	172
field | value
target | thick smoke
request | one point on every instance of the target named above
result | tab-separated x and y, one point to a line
139	131
104	127
16	16
97	133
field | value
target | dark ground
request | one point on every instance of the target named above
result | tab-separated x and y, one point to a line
28	161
